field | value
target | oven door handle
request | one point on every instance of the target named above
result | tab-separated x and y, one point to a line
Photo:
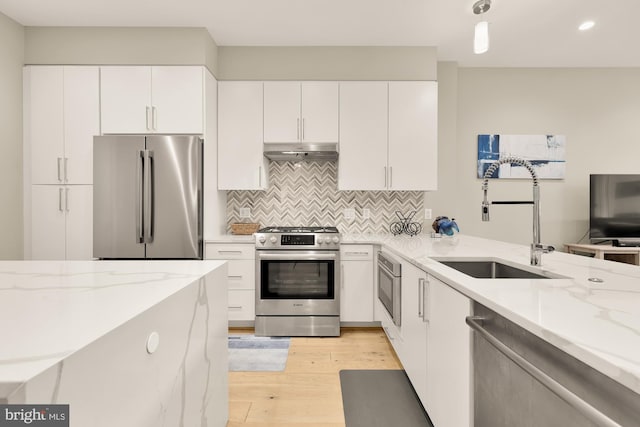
296	257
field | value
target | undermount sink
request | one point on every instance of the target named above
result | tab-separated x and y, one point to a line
493	269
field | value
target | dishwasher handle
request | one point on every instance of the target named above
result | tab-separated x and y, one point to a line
600	419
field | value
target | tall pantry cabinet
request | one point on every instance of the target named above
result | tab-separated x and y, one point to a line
61	116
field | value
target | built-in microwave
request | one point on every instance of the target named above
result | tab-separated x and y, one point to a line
390	285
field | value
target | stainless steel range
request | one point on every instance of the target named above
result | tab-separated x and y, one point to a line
297	281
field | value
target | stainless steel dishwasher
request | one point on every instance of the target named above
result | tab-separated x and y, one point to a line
521	380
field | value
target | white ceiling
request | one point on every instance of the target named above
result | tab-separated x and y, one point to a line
534	33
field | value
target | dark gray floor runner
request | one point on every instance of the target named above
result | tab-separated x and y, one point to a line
380	398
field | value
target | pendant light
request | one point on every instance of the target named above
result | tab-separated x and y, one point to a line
481	33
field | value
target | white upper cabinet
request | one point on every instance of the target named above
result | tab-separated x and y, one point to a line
319	112
388	136
362	164
241	165
413	136
61	119
158	99
300	112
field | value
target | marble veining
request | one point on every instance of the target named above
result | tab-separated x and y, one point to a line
598	323
51	309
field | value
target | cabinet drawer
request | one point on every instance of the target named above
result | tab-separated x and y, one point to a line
356	252
242	304
241	274
230	251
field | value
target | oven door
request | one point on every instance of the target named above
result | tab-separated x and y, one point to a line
389	288
294	283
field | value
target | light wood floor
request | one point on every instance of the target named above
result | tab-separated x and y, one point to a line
307	393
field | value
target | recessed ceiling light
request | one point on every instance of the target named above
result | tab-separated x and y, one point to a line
586	25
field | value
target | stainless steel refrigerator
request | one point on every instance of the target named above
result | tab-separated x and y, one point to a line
147	197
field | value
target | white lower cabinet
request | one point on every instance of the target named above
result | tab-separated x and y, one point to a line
413	328
433	344
356	283
449	399
61	225
240	275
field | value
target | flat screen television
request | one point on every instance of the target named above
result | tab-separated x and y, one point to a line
614	209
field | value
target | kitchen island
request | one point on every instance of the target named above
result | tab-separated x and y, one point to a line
126	343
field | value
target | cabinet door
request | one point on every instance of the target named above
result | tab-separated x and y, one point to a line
319	112
125	99
177	99
241	165
413	328
363	136
282	112
449	393
413	136
43	123
356	291
47	222
81	122
242	305
79	222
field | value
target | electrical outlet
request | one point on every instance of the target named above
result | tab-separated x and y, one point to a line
427	214
349	213
366	213
245	212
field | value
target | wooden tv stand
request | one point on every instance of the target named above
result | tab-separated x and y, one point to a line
629	255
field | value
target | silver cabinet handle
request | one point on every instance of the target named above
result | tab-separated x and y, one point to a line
558	389
303	128
341	276
60	199
147	117
385	177
421	298
390	177
260	176
66	199
235	307
154	118
229	252
235	277
426	301
66	176
298	128
59	169
357	253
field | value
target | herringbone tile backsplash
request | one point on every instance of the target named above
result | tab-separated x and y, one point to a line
306	194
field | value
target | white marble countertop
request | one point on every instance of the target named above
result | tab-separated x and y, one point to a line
50	309
598	323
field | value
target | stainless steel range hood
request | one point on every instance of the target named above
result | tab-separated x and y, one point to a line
301	152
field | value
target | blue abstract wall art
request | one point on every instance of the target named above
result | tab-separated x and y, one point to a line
545	152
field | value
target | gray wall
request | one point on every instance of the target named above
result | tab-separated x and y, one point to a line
597	109
327	63
11	59
120	45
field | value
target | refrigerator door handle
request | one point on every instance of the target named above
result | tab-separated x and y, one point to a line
139	195
149	196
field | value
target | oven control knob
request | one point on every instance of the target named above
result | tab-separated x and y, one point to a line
335	239
262	239
273	239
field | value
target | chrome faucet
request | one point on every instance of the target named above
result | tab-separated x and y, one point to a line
537	249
